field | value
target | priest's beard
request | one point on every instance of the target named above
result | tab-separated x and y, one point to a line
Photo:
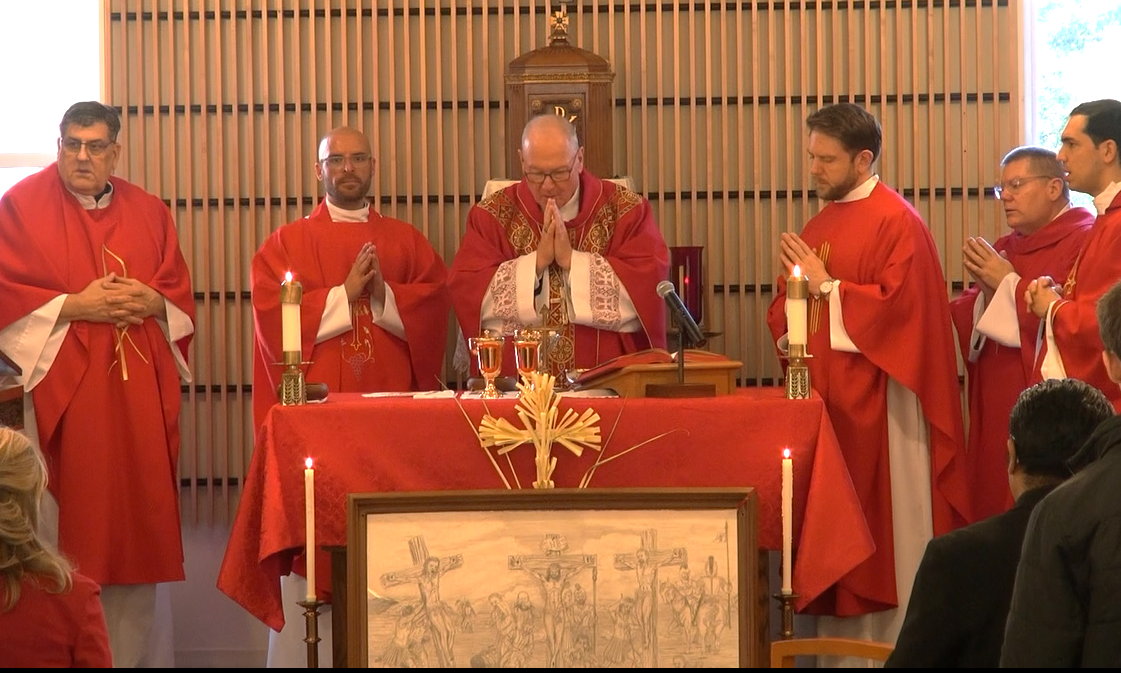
833	192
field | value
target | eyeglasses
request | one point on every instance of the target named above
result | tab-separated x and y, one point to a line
94	148
1016	184
558	175
337	161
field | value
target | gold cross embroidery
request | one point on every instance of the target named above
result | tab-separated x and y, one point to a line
816	303
1068	286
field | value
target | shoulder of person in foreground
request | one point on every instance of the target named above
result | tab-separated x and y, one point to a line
92	647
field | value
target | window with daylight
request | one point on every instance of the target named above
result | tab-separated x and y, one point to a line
52	55
1073	55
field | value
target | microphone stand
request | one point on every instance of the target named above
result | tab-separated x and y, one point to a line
680	388
681	356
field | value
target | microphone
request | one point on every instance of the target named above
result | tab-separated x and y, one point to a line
685	322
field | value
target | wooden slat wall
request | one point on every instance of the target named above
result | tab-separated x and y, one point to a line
224	101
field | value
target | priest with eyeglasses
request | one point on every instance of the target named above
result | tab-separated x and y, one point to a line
562	248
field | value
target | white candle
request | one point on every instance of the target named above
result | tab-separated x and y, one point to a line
787	519
290	295
309	552
797	286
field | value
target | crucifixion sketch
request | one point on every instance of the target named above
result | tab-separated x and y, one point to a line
426	572
645	562
552	570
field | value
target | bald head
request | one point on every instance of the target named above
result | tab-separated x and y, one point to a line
549	129
349	133
345	167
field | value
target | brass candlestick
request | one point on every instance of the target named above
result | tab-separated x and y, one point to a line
787	601
293	389
311	621
797	373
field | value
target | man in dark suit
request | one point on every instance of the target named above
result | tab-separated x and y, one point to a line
963	587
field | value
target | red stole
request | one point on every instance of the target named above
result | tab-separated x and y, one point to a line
896	312
112	444
613	222
320	252
1074	320
1000	373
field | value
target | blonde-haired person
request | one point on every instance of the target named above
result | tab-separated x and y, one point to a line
50	615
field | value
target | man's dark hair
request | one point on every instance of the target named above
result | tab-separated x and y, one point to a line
1109	319
1051	421
1103	120
88	113
1042	161
851	124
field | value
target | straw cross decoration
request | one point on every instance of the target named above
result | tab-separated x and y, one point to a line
538	409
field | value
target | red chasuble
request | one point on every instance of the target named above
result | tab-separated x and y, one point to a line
897	313
1000	373
1074	320
320	252
108	409
614	223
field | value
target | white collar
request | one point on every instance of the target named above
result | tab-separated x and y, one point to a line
94	203
861	191
343	215
1102	201
570	210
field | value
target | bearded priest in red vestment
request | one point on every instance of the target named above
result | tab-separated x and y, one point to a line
97	311
374	314
883	361
996	336
373	317
562	248
1072	345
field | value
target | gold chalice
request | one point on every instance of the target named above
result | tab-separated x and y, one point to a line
527	353
488	349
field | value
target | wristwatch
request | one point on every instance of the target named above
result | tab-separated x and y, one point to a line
826	287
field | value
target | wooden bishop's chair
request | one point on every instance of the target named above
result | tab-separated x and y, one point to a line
783	652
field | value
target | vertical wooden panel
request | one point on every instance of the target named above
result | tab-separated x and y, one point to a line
223	102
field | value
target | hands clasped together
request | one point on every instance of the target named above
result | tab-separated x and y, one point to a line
365	275
115	299
794	251
989	267
555	245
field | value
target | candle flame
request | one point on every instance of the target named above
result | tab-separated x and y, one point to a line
785	454
288	277
797	271
308	462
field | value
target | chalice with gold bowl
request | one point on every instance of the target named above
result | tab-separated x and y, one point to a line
487	347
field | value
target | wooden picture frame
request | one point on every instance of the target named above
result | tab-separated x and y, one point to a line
617	577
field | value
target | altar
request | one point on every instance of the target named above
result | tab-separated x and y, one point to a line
386	444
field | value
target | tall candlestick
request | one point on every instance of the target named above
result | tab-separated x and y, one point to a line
787	519
309	552
797	293
291	294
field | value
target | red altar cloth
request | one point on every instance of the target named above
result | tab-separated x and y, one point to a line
364	445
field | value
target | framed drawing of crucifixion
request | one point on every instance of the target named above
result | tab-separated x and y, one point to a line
612	578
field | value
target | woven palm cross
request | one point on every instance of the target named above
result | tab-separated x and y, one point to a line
538	409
